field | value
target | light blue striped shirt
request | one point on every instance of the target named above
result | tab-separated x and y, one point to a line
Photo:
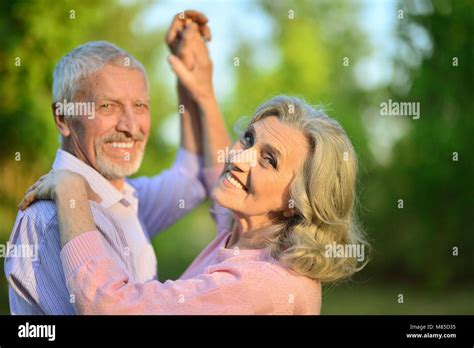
127	219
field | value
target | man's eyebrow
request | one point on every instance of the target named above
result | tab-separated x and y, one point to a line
106	97
145	100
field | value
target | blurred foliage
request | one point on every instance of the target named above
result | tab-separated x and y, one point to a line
417	241
412	246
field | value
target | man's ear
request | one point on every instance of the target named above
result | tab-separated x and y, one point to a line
60	121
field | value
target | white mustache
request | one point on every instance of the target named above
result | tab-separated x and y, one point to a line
121	138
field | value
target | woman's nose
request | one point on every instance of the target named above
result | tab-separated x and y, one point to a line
244	160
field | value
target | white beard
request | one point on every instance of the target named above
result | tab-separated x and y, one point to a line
112	169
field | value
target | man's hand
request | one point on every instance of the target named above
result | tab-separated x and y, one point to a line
202	128
175	33
195	77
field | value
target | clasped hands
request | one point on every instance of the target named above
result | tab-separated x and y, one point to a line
189	59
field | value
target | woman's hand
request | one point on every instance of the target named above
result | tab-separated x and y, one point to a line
71	194
55	183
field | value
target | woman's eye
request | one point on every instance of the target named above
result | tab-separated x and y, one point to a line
271	161
247	139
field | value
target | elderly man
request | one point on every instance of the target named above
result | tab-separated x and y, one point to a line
101	110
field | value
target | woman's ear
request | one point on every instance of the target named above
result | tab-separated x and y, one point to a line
60	121
289	210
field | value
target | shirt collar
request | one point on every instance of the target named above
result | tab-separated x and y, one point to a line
109	193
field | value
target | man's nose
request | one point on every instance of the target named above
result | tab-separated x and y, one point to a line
128	121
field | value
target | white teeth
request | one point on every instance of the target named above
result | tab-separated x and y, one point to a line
123	145
233	181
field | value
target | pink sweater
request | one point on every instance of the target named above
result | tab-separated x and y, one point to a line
219	281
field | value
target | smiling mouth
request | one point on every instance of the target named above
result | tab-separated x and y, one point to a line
234	181
122	144
119	149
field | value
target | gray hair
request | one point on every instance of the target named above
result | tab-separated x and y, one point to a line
74	68
323	194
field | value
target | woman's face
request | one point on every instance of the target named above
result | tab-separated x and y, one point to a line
260	169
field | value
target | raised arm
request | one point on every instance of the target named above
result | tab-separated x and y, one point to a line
167	197
187	108
197	80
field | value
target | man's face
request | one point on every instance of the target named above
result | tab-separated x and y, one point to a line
113	141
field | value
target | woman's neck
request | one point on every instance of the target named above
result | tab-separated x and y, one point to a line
249	233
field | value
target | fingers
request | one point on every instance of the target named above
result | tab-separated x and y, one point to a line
45	187
31	193
181	20
181	71
27	200
192	34
36	191
91	194
205	32
31	188
187	57
35	185
176	27
94	197
204	29
194	43
196	16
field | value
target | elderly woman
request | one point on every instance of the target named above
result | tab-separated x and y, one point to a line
284	196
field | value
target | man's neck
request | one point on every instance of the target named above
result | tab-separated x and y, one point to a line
117	183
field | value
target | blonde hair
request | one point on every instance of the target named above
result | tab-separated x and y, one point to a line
322	194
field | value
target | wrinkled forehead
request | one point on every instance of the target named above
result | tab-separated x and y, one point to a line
118	82
291	142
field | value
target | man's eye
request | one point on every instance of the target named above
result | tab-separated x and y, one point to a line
106	106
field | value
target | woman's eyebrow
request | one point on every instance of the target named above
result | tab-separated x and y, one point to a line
265	147
271	149
251	129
